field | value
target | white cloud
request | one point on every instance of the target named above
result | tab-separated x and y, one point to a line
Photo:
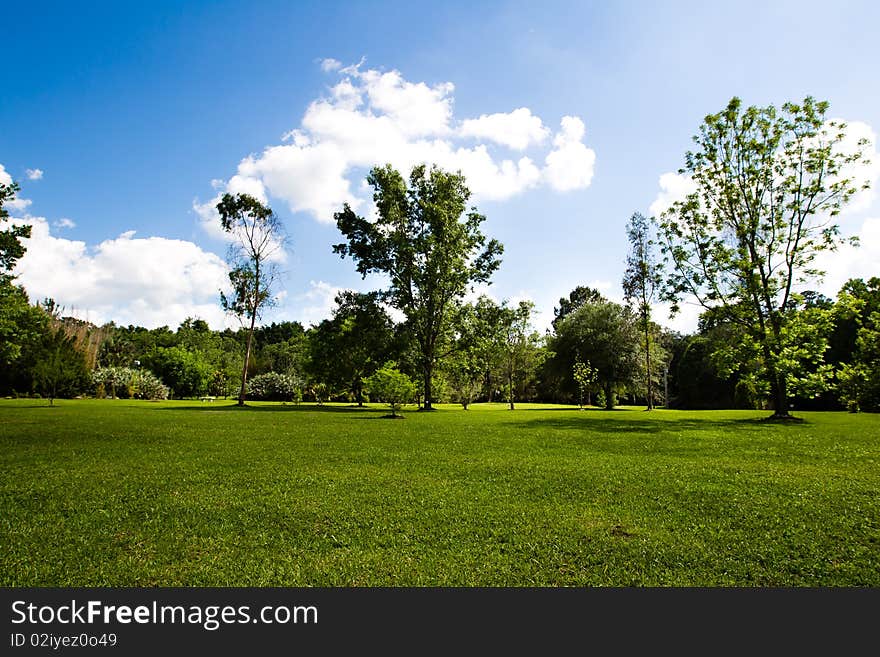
16	203
330	64
317	303
518	129
64	222
371	117
862	261
149	281
673	187
34	174
570	164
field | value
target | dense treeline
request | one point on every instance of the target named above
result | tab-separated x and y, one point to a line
490	354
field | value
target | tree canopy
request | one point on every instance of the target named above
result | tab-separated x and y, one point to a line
428	244
768	184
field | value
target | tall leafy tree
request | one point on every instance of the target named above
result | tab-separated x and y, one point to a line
641	280
428	244
257	238
768	184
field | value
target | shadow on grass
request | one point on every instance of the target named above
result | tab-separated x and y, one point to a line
594	424
275	408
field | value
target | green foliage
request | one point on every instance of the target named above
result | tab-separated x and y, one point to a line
606	334
11	248
187	373
579	296
430	255
584	376
349	347
641	280
766	184
273	386
522	349
60	369
390	385
21	324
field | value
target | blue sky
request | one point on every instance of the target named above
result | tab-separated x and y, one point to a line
117	117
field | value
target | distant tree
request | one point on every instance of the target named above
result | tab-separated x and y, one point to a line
576	298
187	373
419	241
257	236
857	314
520	347
391	386
607	335
353	344
768	184
477	338
60	369
640	282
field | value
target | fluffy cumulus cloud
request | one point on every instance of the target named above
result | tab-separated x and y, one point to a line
570	164
370	117
518	129
149	281
34	174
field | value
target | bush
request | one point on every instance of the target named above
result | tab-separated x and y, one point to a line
128	383
273	386
391	386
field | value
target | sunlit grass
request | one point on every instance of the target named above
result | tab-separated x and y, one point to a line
190	493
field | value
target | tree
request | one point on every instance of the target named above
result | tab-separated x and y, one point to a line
584	375
767	184
11	248
185	372
478	336
257	238
576	298
352	344
60	368
419	241
391	386
640	282
607	335
520	347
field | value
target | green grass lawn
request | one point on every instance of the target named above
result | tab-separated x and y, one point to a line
99	493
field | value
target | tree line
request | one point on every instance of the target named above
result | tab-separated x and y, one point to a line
767	186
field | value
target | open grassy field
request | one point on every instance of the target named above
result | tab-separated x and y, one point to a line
106	492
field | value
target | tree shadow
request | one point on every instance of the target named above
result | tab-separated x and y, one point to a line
609	425
275	408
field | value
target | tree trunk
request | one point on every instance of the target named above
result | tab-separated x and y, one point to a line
510	385
359	392
780	398
428	375
609	398
247	357
648	366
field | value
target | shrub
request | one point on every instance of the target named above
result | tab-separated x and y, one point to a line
129	383
273	386
391	386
